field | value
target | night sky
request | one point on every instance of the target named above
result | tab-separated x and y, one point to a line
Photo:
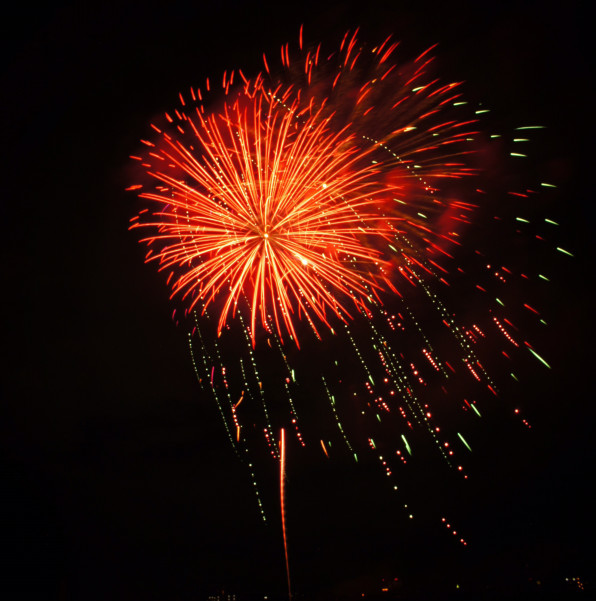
117	479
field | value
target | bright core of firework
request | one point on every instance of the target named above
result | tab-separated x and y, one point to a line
266	202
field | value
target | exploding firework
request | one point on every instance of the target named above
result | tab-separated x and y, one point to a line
271	206
325	207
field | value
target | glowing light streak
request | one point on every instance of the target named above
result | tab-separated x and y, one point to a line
464	441
539	358
282	478
565	252
406	444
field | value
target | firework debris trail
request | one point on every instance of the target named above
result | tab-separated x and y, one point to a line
326	208
282	500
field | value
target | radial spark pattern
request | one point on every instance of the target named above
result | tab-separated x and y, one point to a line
339	193
268	203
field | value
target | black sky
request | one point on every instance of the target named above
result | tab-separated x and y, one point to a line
118	481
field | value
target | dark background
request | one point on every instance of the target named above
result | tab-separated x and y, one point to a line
117	481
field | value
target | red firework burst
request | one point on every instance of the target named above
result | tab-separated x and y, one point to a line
269	204
278	199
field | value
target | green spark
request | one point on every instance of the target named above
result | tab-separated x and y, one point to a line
422	215
543	277
530	127
476	410
548	185
522	220
565	252
514	377
407	445
539	358
500	302
464	441
551	221
517	154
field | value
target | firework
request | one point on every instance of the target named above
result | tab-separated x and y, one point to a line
277	198
267	204
327	204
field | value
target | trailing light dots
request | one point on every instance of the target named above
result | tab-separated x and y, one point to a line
505	332
524	421
450	529
577	582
